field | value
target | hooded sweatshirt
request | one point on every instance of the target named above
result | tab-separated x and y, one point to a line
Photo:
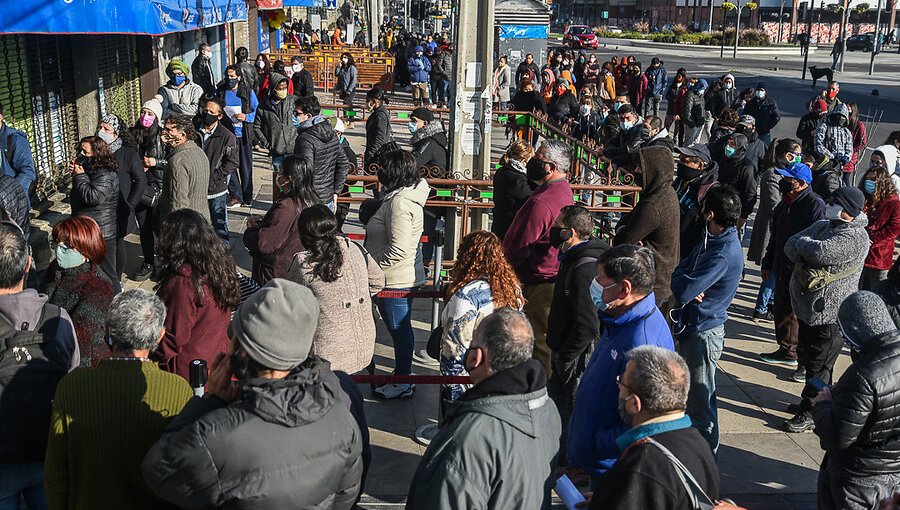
832	139
655	219
691	190
738	172
890	155
273	123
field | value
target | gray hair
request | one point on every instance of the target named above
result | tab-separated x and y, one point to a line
660	378
136	319
559	153
507	336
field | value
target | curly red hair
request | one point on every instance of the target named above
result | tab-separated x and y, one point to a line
480	257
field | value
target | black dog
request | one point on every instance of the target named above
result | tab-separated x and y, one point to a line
824	72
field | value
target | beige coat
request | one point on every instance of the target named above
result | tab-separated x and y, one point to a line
393	234
345	335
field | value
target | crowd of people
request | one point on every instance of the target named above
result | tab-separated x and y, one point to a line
589	356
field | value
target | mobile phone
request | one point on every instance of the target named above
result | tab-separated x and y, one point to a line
817	383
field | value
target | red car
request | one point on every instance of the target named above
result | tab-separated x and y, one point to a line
581	37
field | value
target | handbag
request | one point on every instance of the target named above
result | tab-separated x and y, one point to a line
151	195
814	279
433	347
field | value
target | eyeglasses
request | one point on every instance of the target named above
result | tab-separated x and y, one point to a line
620	383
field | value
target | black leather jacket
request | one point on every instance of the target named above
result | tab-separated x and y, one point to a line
95	193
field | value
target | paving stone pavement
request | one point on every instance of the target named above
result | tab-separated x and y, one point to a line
761	467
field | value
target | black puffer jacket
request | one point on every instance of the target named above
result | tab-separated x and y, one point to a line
290	443
95	193
511	189
738	172
132	181
430	147
891	297
378	133
273	124
321	148
14	201
860	426
564	107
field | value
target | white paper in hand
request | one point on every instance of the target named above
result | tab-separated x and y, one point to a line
567	492
232	111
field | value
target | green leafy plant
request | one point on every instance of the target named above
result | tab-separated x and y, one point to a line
751	5
728	6
862	8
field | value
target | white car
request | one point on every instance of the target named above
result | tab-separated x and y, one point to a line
613	29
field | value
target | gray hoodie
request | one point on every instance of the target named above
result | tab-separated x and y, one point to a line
835	248
26	306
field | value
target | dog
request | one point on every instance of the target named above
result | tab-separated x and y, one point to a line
823	72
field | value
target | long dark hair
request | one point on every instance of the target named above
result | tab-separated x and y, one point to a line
188	238
101	157
398	170
300	173
778	147
853	116
318	229
350	61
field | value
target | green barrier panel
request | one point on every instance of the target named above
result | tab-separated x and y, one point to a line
329	113
502	118
351	113
443	273
403	115
613	199
486	194
522	120
444	193
357	189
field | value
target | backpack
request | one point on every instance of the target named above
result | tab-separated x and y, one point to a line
31	365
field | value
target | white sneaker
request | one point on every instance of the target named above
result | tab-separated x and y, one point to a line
421	356
392	391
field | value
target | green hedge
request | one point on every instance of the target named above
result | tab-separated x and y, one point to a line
749	37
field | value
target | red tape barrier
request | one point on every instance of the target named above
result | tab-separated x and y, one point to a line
411	379
431	294
362	237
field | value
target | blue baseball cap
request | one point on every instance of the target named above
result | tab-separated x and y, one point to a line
799	171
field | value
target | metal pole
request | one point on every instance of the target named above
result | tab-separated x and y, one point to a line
845	20
710	5
438	240
877	46
737	28
722	49
780	20
812	6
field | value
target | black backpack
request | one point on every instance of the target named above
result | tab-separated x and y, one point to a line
31	364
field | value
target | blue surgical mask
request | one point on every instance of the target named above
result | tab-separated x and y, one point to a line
627	124
869	187
729	151
597	295
616	106
180	79
295	121
68	258
412	127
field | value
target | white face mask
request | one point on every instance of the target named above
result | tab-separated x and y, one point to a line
585	109
207	54
761	94
833	213
297	67
728	85
260	64
106	137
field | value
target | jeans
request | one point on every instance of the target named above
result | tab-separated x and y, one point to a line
397	313
766	138
839	489
443	93
766	296
243	190
218	214
834	60
146	217
433	92
692	134
701	350
22	480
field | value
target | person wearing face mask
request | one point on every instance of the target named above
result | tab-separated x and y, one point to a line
724	97
578	70
637	86
631	136
485	427
241	104
856	418
301	79
419	69
263	68
836	247
883	210
179	96
273	125
202	71
756	148
737	171
347	79
186	183
693	111
833	139
75	282
657	82
95	193
132	181
654	221
695	175
799	208
221	149
657	135
781	154
274	239
653	397
588	122
622	290
430	146
245	65
704	284
674	99
591	75
765	110
606	84
563	105
527	243
318	144
378	128
573	324
806	129
501	82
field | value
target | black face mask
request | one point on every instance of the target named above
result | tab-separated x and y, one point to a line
535	170
556	236
687	173
83	161
785	186
209	119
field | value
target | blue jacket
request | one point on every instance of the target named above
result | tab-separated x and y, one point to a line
595	423
658	79
714	269
419	69
19	163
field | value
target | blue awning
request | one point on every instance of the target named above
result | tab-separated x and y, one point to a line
304	3
153	17
523	31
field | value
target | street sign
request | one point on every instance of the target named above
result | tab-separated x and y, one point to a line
604	14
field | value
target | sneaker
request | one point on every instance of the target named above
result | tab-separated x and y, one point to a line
799	375
801	422
423	358
795	408
778	357
766	317
233	203
392	391
145	271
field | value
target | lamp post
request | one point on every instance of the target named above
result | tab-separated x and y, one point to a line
737	23
780	20
876	48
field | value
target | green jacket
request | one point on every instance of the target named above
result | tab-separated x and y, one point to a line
492	452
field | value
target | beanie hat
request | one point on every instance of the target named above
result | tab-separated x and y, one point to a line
154	105
850	198
113	121
819	106
863	316
177	65
276	325
423	114
761	85
418	49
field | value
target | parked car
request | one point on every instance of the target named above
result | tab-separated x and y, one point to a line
613	29
581	37
864	42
